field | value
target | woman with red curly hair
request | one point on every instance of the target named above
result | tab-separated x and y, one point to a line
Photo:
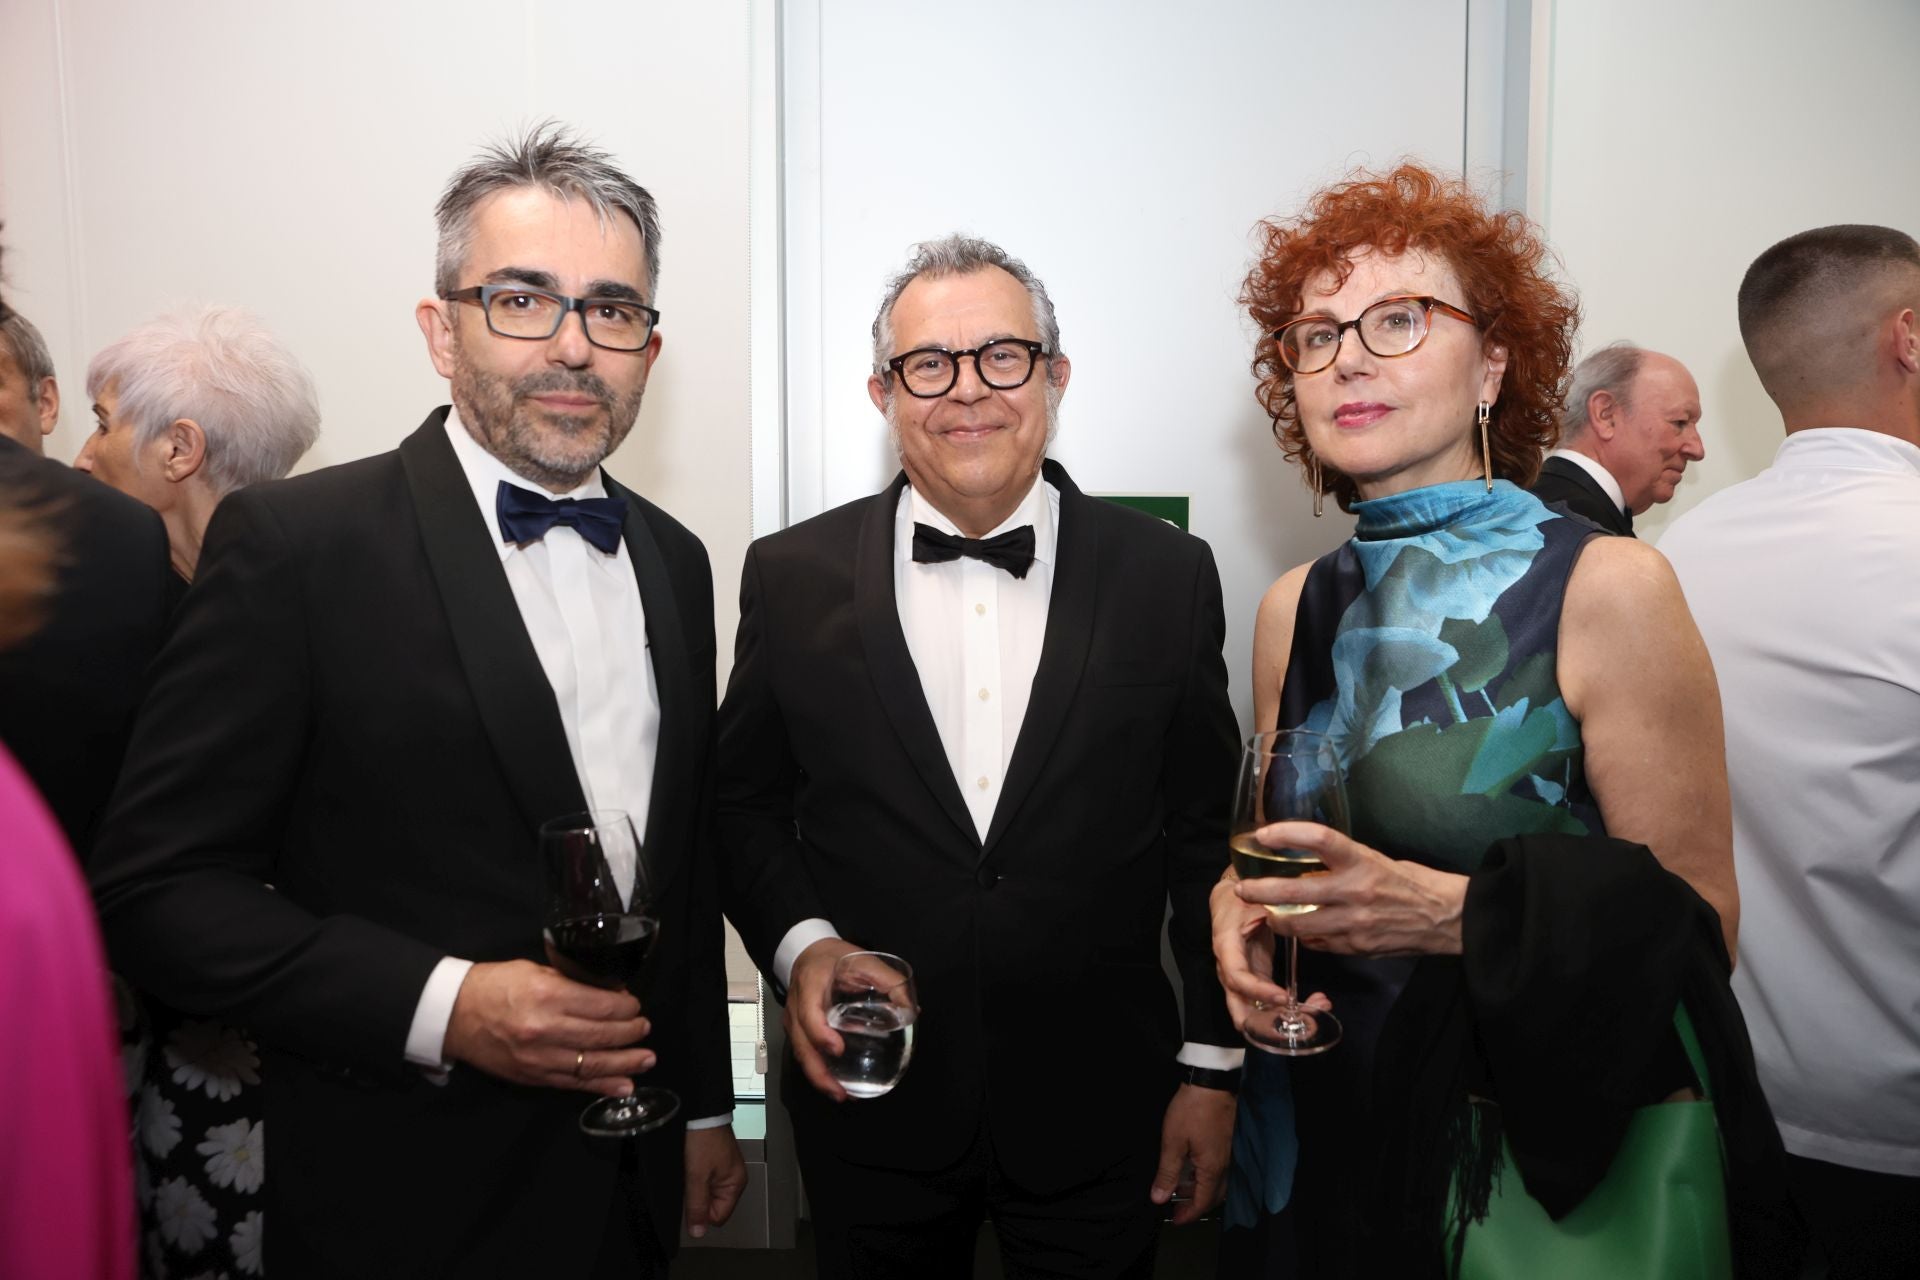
1504	691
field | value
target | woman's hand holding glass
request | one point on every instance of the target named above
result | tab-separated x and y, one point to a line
1367	904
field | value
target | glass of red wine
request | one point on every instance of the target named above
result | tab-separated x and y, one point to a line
600	926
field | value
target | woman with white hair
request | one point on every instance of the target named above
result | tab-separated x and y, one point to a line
190	407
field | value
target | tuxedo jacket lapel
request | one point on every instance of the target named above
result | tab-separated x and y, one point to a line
677	753
1599	507
890	664
1063	650
510	689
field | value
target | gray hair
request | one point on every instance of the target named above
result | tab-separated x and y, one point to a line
551	159
220	367
959	255
1612	368
29	351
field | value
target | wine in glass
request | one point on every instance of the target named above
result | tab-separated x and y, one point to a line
872	1007
1287	775
600	926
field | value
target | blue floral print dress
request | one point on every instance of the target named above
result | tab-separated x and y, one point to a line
1425	647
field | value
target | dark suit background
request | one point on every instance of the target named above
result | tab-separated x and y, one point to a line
68	693
351	711
1568	484
1037	952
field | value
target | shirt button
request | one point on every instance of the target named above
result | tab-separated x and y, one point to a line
980	608
983	695
982	784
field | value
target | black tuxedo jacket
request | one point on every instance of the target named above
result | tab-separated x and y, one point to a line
1037	951
68	694
336	781
1567	484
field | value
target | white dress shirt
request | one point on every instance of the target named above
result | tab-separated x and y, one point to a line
582	610
1601	476
975	633
1804	583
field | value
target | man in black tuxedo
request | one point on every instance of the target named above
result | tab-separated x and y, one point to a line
1632	424
68	692
388	674
980	721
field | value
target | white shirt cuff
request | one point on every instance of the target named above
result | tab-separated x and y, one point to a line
798	939
427	1037
1214	1057
711	1122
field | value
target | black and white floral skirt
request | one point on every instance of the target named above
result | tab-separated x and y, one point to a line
199	1147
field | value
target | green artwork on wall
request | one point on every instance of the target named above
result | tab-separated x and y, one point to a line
1171	507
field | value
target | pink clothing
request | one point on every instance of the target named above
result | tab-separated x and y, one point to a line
66	1176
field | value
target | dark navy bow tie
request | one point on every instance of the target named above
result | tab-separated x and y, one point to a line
525	516
1012	550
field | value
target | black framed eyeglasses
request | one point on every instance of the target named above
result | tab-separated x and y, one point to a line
1390	327
928	372
517	311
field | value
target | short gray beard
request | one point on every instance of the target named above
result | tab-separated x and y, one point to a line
498	414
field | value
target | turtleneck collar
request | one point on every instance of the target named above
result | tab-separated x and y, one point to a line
1434	507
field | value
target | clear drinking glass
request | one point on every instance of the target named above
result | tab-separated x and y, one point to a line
1287	775
873	1008
600	927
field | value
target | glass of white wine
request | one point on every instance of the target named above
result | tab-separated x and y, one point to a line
1287	775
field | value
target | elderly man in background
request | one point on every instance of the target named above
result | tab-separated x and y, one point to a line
189	408
69	690
29	395
68	1205
1802	580
1632	424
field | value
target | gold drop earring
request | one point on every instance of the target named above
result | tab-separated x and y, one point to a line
1313	479
1486	454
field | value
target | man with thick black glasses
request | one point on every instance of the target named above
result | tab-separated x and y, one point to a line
979	721
388	675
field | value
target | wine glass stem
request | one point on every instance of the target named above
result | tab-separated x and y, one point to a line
1292	1011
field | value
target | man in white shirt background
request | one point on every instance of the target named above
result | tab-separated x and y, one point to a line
388	675
1631	425
1803	582
979	721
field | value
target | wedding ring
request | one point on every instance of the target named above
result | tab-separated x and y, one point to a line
579	1061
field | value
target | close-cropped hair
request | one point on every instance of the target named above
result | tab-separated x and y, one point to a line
29	351
959	255
1502	263
548	158
1612	368
1791	283
220	367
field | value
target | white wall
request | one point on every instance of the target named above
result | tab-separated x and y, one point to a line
1145	142
1683	139
287	157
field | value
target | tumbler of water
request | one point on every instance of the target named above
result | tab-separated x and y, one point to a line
872	1007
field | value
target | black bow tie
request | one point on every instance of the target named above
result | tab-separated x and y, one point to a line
1012	550
525	516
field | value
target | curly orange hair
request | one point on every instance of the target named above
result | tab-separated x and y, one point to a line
1500	259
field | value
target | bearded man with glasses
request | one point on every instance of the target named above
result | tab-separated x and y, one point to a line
387	676
980	721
